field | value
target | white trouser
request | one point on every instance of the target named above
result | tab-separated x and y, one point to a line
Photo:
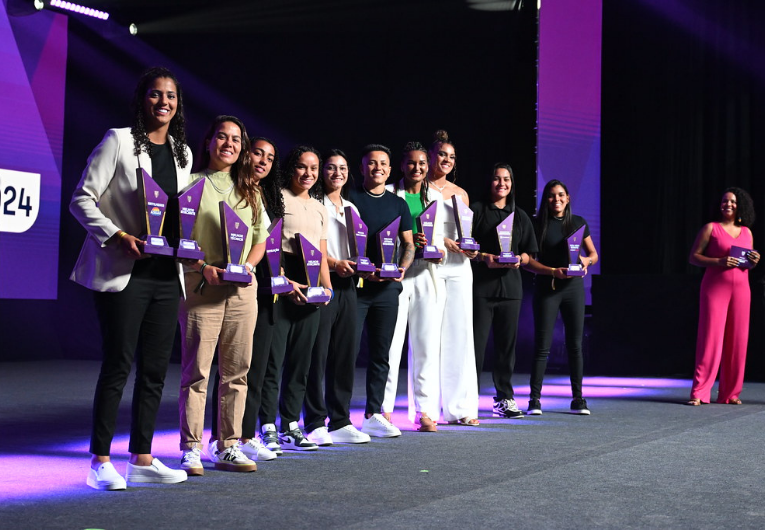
421	306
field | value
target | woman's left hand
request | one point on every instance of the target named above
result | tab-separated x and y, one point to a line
753	256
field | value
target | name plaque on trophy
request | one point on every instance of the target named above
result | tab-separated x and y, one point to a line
153	208
234	233
188	207
279	283
505	237
426	226
463	217
358	233
742	255
312	260
386	239
574	245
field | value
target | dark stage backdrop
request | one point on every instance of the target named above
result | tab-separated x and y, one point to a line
683	118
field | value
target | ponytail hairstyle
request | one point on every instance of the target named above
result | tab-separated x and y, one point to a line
441	137
511	197
543	215
270	188
408	148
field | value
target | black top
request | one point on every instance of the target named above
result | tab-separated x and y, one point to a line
164	174
553	251
377	213
500	283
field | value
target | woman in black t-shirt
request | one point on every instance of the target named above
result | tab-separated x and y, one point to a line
564	293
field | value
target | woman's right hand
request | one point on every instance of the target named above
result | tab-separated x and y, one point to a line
212	275
728	262
452	246
130	245
560	274
296	296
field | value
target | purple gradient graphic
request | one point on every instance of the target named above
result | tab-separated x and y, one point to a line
569	107
32	84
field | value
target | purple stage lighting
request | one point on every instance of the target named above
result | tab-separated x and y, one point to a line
82	10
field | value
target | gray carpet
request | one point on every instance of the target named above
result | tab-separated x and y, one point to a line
640	460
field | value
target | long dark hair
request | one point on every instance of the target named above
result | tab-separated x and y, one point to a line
271	186
408	148
177	129
242	171
543	215
510	201
745	215
348	185
293	157
441	137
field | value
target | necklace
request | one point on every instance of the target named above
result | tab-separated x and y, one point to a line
376	196
207	176
439	188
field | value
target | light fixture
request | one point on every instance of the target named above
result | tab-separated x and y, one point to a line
39	5
133	29
76	8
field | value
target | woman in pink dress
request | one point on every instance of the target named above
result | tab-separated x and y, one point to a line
724	303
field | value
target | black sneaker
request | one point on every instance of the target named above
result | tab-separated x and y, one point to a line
294	440
506	408
535	408
579	406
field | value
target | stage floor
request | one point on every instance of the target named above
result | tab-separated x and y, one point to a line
641	460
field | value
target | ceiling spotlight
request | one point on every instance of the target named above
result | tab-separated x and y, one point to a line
133	29
39	5
75	8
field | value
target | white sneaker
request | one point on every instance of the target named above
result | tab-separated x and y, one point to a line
231	458
255	450
105	478
191	462
157	473
270	438
379	427
320	437
349	435
294	440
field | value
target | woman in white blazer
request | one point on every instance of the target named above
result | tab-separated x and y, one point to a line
136	296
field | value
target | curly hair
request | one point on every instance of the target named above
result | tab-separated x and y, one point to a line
543	215
177	127
441	137
327	155
293	157
408	148
270	187
242	171
745	214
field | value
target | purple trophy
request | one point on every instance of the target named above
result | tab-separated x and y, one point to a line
357	240
505	236
463	217
574	244
425	225
153	208
279	284
312	259
188	206
741	254
386	238
234	233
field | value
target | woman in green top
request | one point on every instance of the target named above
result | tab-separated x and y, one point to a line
217	313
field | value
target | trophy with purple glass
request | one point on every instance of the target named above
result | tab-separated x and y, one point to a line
358	233
426	226
188	207
463	217
234	233
279	284
742	255
574	245
312	260
505	236
386	239
153	207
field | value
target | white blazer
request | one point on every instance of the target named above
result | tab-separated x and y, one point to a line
105	202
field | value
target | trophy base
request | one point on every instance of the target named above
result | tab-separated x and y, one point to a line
427	252
468	243
236	273
364	264
280	285
575	270
316	295
188	249
507	257
389	270
157	246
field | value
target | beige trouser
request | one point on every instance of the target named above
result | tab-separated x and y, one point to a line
222	316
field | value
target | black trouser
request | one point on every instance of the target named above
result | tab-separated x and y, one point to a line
261	349
146	311
569	299
501	316
377	304
334	357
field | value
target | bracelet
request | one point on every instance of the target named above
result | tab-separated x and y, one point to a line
249	266
332	295
552	272
202	268
121	234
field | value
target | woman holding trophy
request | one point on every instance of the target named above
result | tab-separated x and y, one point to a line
557	231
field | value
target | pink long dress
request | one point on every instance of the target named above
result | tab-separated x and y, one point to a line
723	321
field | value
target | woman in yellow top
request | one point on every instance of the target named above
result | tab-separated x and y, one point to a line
216	312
